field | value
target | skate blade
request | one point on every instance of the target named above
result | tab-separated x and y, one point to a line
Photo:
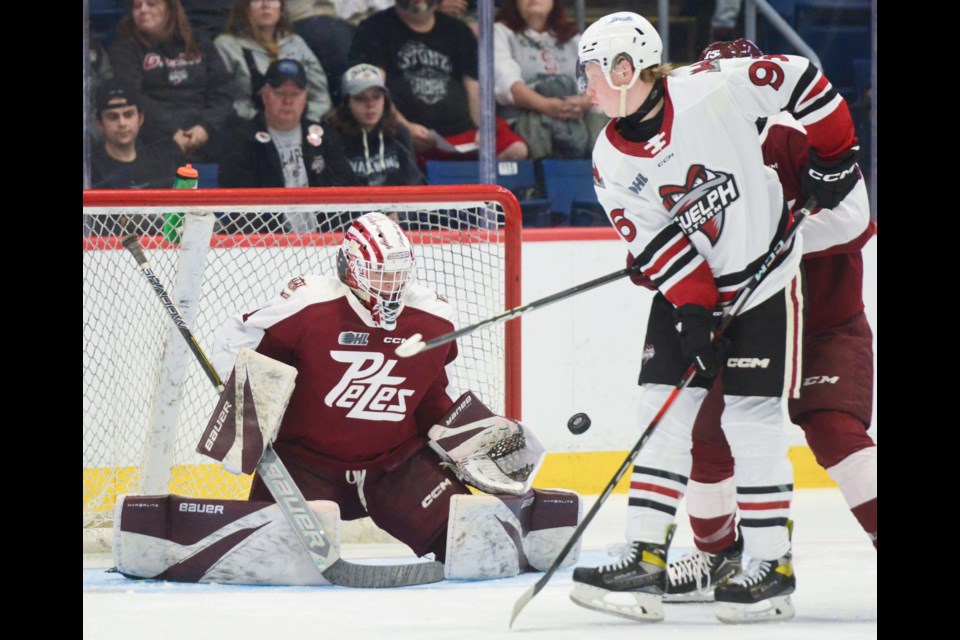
771	609
632	605
689	597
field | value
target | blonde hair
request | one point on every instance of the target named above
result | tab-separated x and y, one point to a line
651	74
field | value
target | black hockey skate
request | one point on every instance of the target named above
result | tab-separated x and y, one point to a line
631	588
695	575
760	593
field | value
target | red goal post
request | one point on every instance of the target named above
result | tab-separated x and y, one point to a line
145	401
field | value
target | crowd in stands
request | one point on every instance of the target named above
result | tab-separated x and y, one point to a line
295	93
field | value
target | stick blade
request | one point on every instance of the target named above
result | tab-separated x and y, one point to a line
368	576
411	346
521	603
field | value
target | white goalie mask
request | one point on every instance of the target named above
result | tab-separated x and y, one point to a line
376	261
623	35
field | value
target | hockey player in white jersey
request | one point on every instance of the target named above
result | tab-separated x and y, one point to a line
680	173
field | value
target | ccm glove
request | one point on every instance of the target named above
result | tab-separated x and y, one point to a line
695	324
831	181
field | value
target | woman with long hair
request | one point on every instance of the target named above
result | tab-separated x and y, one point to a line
180	77
258	32
363	143
535	63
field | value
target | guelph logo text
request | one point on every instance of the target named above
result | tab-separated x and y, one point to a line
699	204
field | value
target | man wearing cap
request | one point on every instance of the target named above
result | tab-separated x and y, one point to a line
279	147
364	144
121	161
430	60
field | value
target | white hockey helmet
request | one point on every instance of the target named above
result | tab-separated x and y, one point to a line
376	261
617	36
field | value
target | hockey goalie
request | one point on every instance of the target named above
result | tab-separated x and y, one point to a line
365	434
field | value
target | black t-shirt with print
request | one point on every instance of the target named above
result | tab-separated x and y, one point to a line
425	71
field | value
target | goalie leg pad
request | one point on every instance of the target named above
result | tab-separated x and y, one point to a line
180	539
502	536
556	513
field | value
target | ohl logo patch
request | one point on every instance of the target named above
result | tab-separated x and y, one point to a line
699	204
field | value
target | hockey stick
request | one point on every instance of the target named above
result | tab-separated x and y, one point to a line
415	343
741	299
285	491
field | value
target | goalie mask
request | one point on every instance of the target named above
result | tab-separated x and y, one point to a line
376	261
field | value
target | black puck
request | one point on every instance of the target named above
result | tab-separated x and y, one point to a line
578	423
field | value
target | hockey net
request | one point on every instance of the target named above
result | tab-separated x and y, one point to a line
145	398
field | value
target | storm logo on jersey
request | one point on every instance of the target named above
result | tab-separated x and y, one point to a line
699	204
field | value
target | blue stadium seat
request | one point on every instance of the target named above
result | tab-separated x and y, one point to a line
838	47
520	177
569	185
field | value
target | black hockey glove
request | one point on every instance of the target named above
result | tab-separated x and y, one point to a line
696	324
830	182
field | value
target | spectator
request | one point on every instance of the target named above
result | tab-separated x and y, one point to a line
723	22
324	26
430	60
257	33
364	145
183	86
119	162
535	61
279	147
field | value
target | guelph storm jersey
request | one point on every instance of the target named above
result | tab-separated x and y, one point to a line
695	203
355	403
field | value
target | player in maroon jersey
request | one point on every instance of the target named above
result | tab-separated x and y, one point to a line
356	427
835	405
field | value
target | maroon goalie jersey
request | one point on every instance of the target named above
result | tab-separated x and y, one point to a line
832	238
355	404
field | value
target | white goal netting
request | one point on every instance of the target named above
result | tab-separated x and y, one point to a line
146	399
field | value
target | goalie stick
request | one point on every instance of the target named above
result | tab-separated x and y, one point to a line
415	343
741	299
285	491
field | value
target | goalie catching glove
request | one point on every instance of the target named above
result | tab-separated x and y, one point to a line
492	453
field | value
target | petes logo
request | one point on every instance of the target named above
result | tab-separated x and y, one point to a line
699	204
368	389
353	338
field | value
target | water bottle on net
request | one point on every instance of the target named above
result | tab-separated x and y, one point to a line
186	178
